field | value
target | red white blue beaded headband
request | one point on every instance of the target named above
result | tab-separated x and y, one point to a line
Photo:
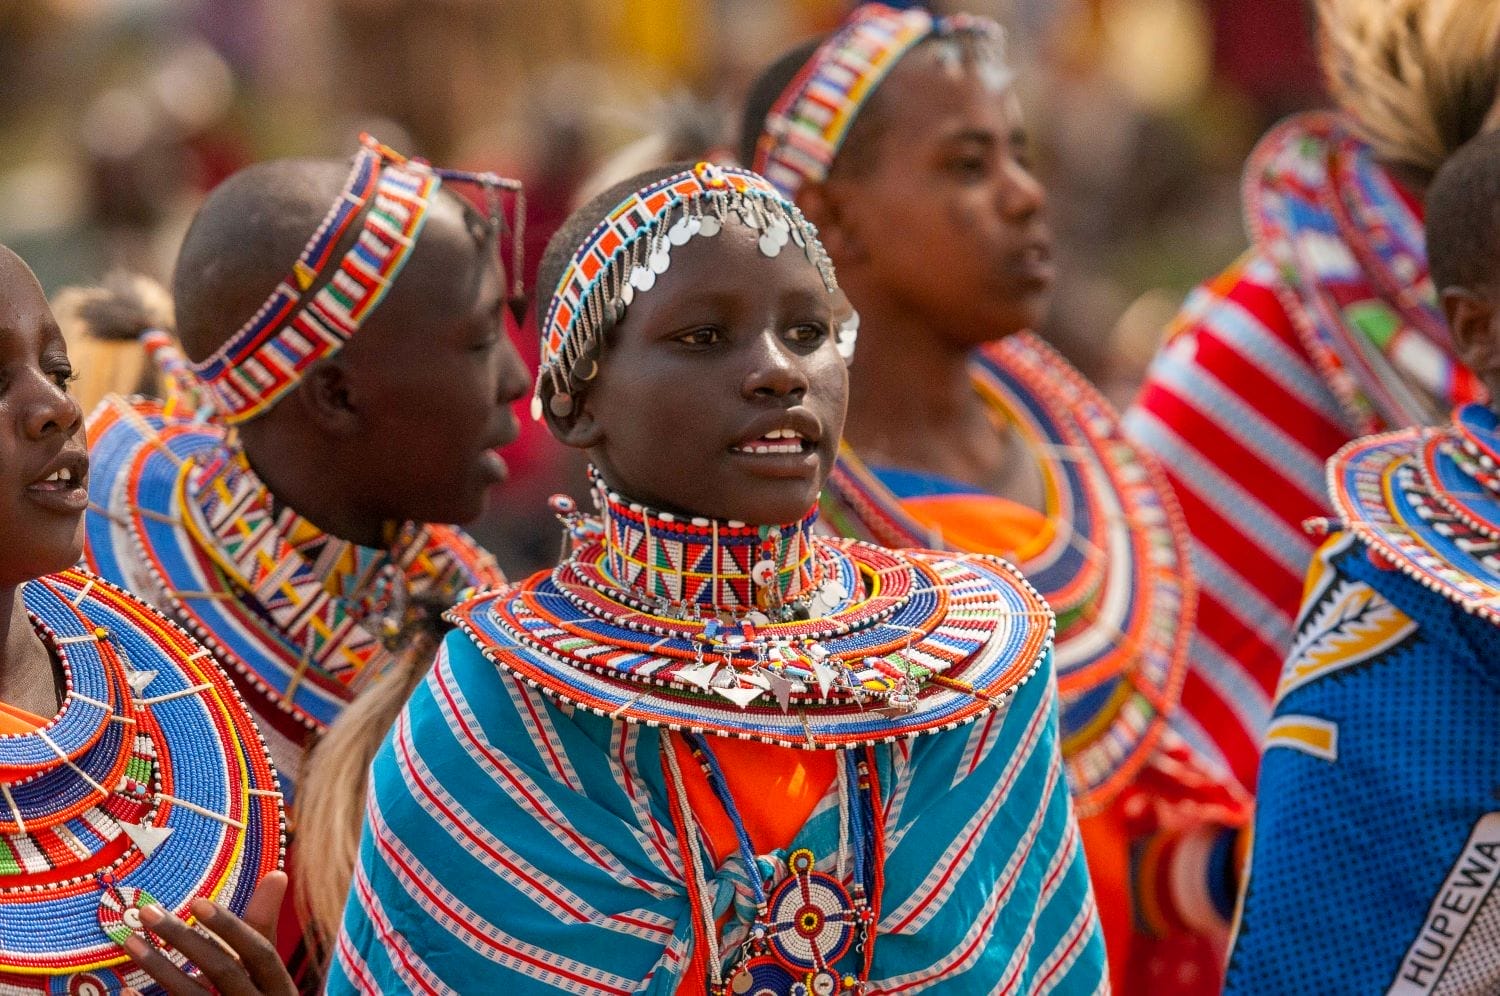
807	125
269	354
632	246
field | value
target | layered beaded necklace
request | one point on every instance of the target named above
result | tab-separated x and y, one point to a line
150	785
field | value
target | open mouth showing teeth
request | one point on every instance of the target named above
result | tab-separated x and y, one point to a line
778	441
58	480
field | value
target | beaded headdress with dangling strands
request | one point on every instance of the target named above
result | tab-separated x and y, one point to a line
632	246
296	326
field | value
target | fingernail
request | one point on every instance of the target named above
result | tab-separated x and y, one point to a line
152	914
136	945
204	909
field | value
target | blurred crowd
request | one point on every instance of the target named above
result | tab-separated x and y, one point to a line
118	115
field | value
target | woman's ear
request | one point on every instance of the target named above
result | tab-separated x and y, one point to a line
823	205
1471	319
328	399
573	425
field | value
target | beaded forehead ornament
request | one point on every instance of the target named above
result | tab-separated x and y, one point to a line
810	120
290	331
632	246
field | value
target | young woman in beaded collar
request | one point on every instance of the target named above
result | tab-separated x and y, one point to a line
919	180
1375	819
135	785
641	772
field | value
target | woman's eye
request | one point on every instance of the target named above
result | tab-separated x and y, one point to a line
968	166
63	376
807	333
705	336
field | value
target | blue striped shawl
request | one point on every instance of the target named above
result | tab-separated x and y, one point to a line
512	845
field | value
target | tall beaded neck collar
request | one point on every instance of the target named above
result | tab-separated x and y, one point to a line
703	566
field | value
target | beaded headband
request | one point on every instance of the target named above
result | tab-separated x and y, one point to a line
289	332
632	246
807	125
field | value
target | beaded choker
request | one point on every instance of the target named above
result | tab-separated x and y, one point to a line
631	247
290	331
697	565
807	125
150	784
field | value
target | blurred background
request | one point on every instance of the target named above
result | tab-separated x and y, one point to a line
116	116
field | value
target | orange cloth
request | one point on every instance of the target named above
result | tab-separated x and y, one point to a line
983	523
775	789
1106	848
13	720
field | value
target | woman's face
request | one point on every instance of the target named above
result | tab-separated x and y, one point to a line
43	461
721	393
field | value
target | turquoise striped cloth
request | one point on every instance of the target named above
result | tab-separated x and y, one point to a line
513	845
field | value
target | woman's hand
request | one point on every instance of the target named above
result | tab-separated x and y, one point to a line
253	968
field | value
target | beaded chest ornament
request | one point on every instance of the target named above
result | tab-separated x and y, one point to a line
150	785
1115	567
809	920
809	122
632	246
297	326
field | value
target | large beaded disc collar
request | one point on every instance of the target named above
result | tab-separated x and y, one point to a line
830	643
151	784
1116	569
1427	501
175	511
632	246
387	195
809	122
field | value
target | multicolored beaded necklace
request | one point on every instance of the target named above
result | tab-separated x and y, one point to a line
300	618
151	784
809	920
886	645
1427	501
1116	569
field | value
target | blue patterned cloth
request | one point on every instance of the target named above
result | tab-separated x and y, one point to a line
1377	834
514	845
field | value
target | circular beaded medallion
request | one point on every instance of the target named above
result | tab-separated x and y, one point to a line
812	919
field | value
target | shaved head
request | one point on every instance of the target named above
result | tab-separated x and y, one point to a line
243	242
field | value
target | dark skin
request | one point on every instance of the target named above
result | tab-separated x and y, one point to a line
402	423
41	520
937	231
41	532
250	965
1474	319
728	346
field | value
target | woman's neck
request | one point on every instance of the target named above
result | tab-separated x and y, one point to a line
706	565
27	678
912	404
